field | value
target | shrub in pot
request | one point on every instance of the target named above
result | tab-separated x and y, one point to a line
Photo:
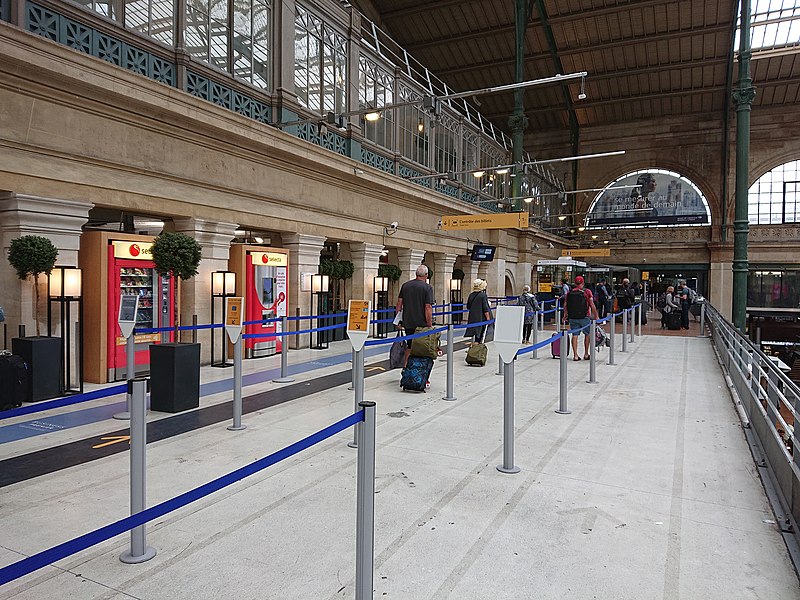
175	367
32	256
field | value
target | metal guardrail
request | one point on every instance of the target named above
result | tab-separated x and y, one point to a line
766	400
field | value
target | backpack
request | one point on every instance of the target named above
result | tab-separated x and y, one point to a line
623	299
692	295
661	303
577	304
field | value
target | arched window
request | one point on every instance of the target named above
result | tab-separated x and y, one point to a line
773	199
649	198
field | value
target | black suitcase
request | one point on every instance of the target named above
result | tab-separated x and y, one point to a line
673	320
13	381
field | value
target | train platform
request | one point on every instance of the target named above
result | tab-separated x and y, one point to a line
648	489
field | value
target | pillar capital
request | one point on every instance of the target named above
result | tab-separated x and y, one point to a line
366	253
214	238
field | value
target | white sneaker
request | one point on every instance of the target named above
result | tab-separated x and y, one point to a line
427	385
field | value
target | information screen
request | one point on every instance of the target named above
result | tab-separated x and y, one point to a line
127	308
483	253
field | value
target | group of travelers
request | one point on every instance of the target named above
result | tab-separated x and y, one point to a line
673	302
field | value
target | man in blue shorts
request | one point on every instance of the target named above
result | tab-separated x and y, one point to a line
580	308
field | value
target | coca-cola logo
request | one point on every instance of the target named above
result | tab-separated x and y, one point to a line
134	250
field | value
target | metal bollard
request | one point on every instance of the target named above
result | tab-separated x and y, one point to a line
358	387
21	330
702	320
612	341
130	373
352	370
508	420
592	351
284	378
535	353
633	324
641	313
365	503
562	378
625	330
449	396
558	317
237	387
139	551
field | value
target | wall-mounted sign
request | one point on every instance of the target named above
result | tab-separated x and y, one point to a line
658	198
496	221
587	252
269	259
132	250
645	275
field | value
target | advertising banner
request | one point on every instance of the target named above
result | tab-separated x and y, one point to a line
658	198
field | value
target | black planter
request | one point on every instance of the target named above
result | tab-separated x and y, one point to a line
43	356
174	377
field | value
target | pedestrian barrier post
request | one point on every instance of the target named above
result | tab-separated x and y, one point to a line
641	313
358	387
508	420
139	551
130	373
562	378
284	378
449	395
612	341
365	503
237	386
624	330
535	353
558	316
633	324
351	387
592	351
702	320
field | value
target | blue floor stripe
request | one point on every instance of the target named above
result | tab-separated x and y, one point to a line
77	418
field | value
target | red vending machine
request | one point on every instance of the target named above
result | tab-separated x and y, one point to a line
266	299
132	272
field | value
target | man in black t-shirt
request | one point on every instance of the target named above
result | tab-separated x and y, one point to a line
416	302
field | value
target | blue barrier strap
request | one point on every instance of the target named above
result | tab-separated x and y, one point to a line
66	401
262	321
538	345
404	338
56	553
250	336
469	325
301	318
547	312
384	310
153	330
376	321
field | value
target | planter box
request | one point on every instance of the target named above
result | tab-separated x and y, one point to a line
43	355
174	377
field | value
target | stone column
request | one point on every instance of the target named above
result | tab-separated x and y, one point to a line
304	251
195	295
366	258
496	277
408	260
60	221
443	272
470	268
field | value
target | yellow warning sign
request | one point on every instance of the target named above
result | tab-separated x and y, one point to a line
233	317
498	221
645	275
358	315
587	252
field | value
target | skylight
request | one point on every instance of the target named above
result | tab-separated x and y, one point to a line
774	24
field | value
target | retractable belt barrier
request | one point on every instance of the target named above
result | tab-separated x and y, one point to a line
66	401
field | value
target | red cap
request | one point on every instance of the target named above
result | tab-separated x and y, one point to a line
579	279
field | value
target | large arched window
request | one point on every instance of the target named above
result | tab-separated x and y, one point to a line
649	197
773	199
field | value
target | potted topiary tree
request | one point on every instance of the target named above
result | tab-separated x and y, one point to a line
175	367
31	256
338	271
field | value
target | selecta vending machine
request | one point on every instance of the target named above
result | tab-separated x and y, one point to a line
265	299
131	272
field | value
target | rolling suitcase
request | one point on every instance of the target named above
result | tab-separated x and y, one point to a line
13	381
416	373
555	346
476	355
673	320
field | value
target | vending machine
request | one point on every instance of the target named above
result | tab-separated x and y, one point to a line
131	272
265	298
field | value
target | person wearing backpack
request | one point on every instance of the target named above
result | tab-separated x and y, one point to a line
603	302
685	295
580	308
531	305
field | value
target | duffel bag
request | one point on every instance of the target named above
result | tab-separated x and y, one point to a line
425	346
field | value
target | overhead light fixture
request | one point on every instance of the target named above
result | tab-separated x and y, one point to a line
605	241
562	218
582	95
528	200
478	174
502	171
372	116
581	228
594	237
421	125
258	240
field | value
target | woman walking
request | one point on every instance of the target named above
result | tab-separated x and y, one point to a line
478	306
531	305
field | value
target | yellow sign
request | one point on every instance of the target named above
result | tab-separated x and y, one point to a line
545	288
587	252
233	318
143	338
132	250
498	221
358	315
645	275
269	259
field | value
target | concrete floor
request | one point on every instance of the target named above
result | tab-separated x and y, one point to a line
647	490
